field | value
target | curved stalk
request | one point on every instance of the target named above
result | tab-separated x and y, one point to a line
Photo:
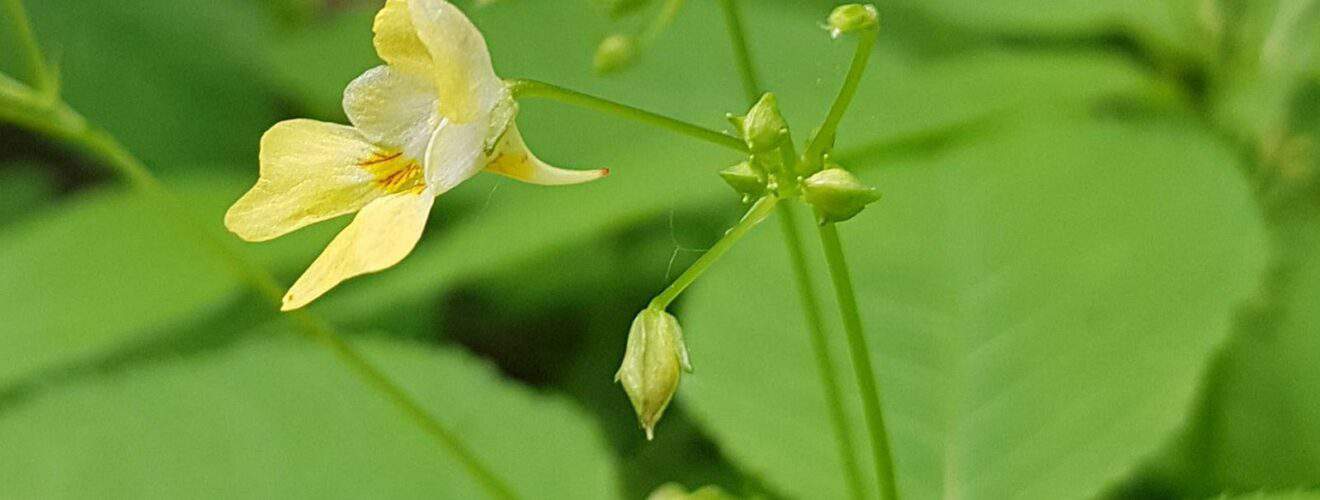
823	139
533	89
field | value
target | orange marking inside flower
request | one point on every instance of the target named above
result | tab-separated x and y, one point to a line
394	172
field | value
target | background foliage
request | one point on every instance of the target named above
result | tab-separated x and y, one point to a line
1096	271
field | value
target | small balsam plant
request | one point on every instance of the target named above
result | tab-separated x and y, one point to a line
436	114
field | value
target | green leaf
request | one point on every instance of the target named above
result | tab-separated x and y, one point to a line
105	268
1169	23
23	187
179	82
1296	495
1039	307
1260	425
280	418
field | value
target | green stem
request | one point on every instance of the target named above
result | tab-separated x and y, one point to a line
811	311
61	122
733	21
42	79
820	345
823	140
532	89
861	358
759	211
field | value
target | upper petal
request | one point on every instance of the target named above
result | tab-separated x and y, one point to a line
463	74
513	159
396	40
381	235
309	172
393	108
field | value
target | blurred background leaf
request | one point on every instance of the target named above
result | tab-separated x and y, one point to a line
1040	306
277	418
179	82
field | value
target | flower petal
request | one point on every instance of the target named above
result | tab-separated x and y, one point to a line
393	108
513	159
463	74
309	172
456	153
381	235
396	40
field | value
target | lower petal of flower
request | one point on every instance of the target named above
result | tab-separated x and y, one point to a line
381	235
312	171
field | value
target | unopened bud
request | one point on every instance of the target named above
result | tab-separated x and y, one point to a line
763	128
837	194
744	179
652	364
675	491
852	17
614	52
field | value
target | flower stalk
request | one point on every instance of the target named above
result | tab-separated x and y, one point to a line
823	140
522	88
759	211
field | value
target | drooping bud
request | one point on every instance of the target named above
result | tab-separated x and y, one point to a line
837	194
763	128
852	17
675	491
744	179
614	52
652	364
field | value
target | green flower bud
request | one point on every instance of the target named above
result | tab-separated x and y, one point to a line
614	52
675	491
852	17
837	194
763	128
744	179
652	364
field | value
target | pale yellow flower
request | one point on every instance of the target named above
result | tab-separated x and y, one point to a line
434	116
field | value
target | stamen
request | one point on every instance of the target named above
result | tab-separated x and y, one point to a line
393	172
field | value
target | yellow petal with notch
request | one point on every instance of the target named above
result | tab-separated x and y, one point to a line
513	159
381	235
310	171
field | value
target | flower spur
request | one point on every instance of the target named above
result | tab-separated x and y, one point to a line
432	117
